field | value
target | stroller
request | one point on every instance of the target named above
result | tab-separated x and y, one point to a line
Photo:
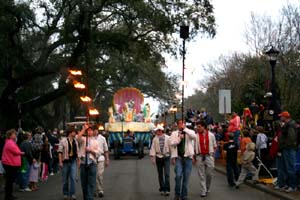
271	179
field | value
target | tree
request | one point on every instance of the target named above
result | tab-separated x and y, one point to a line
116	43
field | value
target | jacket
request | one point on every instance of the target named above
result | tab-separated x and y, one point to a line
249	154
288	138
63	148
189	143
155	148
11	154
212	144
93	144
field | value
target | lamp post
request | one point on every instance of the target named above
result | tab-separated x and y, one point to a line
272	54
184	34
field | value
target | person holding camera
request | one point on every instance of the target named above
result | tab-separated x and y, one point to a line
205	147
182	152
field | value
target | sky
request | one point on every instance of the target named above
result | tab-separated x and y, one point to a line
232	16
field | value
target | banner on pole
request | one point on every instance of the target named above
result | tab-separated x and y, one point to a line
224	101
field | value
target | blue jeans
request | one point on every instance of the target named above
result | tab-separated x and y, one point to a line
289	160
88	180
236	138
163	170
69	177
183	169
232	172
24	176
280	171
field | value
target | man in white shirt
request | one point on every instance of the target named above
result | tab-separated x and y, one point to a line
160	155
182	152
102	162
205	147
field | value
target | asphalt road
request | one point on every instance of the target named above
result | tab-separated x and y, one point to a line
134	179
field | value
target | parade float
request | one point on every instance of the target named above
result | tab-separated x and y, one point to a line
129	124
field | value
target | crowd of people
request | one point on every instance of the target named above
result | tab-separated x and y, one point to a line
30	157
202	140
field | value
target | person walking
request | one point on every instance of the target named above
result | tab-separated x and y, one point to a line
68	157
102	162
88	153
205	147
160	155
232	170
287	149
247	165
11	160
182	152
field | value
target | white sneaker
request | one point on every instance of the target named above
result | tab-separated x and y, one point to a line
203	194
290	189
277	187
27	190
51	174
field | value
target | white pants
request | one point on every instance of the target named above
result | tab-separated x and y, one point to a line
99	179
205	171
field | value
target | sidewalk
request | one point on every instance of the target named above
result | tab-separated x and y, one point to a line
220	167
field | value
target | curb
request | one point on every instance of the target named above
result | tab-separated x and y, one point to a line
260	187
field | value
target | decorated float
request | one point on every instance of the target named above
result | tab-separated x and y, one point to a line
129	124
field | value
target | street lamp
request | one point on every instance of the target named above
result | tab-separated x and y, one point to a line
184	34
272	54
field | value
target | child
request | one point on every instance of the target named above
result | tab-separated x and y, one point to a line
247	165
45	159
231	150
34	175
245	140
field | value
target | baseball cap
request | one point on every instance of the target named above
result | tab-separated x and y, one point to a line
158	127
285	114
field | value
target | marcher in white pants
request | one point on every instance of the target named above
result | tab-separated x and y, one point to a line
205	146
103	161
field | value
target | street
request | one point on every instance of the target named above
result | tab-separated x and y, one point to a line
133	179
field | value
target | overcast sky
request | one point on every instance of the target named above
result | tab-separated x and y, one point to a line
231	19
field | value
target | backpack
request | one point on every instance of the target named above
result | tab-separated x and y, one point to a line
37	142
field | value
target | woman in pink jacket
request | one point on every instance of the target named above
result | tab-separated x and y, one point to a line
11	160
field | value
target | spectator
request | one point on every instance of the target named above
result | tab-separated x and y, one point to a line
27	159
298	133
245	140
45	159
234	127
53	140
11	160
280	184
34	175
287	149
262	144
232	169
247	165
